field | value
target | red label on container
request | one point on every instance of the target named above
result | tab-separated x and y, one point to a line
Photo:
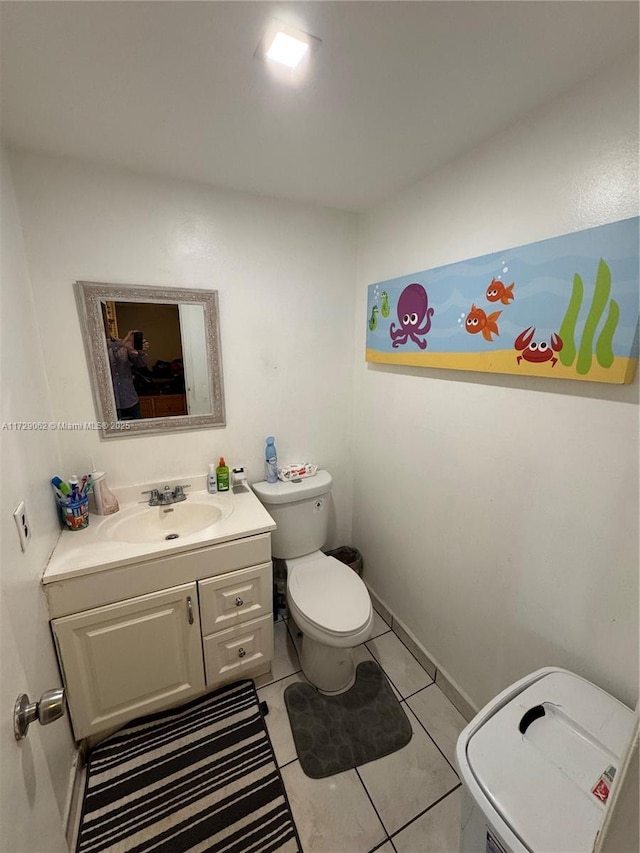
601	790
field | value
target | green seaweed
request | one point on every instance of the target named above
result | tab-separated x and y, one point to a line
568	328
373	320
604	344
598	303
567	331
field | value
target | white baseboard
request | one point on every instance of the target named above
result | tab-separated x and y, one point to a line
74	796
448	685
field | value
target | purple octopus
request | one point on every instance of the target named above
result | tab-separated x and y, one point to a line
414	315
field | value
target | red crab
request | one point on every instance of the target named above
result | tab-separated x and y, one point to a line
535	352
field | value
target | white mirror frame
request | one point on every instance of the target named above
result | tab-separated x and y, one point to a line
89	295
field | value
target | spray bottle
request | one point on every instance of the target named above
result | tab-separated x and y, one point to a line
222	475
271	461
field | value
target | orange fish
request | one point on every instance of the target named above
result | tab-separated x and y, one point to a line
498	292
477	321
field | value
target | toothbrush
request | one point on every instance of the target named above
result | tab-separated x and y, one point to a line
61	486
73	482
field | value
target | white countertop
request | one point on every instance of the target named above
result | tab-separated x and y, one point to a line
81	552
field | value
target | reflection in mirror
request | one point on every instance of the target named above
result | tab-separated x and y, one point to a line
167	375
154	357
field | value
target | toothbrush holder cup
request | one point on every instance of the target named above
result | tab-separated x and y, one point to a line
75	513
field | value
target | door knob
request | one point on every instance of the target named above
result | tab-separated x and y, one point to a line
49	708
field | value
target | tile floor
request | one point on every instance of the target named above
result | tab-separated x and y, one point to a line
407	802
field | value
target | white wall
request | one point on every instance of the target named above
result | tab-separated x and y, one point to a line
498	516
34	773
284	273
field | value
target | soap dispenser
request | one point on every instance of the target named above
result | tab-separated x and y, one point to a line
212	482
104	501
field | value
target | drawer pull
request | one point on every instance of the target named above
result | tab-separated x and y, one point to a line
190	609
241	652
239	602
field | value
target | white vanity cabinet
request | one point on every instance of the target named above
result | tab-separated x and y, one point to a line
139	637
130	658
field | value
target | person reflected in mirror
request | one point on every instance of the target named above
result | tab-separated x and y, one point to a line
122	357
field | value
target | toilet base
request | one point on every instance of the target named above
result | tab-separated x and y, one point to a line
329	669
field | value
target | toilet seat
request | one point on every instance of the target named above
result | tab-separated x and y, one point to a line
329	601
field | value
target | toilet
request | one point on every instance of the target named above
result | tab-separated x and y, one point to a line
327	600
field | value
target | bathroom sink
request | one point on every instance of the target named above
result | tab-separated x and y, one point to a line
155	524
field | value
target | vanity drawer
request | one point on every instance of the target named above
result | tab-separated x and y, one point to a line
229	653
227	600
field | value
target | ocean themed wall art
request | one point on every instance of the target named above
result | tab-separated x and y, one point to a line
566	308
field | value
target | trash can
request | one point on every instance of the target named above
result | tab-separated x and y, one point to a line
346	554
537	764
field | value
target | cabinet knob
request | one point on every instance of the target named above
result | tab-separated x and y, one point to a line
190	610
241	652
239	602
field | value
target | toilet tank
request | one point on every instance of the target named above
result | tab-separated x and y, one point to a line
301	512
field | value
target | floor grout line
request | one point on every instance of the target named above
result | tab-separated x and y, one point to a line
428	734
414	657
422	813
382	824
386	674
415	693
381	845
278	680
381	665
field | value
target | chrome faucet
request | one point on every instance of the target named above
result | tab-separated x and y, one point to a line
167	496
178	493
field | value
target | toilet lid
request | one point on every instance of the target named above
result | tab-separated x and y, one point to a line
331	595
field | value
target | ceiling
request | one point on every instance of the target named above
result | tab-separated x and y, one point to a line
395	90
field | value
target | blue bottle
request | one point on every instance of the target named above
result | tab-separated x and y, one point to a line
271	461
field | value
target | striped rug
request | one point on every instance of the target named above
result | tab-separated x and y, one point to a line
196	778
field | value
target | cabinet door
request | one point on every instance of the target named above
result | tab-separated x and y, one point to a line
130	658
236	597
232	653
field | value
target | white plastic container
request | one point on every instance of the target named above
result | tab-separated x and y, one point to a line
536	765
104	501
212	482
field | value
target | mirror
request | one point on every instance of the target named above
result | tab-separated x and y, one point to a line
154	357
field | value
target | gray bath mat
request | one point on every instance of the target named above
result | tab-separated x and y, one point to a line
336	733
